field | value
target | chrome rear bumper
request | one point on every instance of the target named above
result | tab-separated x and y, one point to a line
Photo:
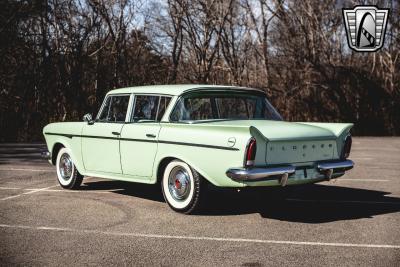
282	173
346	165
328	168
250	174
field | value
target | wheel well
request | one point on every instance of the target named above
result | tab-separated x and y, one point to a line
54	152
161	167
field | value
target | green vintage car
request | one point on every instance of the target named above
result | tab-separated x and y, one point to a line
184	136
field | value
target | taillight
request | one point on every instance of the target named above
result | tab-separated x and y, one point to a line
251	153
347	147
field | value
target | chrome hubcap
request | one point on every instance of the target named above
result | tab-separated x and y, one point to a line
65	167
179	183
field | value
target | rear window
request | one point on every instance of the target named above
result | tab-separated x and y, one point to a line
224	105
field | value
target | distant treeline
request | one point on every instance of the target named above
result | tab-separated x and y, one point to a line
58	58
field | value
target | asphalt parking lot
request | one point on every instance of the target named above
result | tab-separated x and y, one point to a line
354	220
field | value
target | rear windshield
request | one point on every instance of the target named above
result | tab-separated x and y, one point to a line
225	106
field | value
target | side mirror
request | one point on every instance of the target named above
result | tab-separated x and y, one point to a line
88	118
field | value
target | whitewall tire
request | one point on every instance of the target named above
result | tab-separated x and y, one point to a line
67	174
181	187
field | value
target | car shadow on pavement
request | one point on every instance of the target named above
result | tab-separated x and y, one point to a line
307	204
147	191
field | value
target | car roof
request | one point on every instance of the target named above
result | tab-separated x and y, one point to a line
176	89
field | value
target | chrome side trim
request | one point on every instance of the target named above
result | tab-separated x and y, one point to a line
345	164
253	174
146	140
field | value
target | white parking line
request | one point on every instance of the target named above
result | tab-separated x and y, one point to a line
79	191
199	238
58	190
28	193
344	201
9	188
31	170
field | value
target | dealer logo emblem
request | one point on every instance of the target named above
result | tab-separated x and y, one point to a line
365	27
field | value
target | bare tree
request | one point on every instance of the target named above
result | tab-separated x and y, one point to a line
203	25
236	43
59	57
260	25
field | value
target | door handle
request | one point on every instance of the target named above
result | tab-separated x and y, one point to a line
151	135
115	133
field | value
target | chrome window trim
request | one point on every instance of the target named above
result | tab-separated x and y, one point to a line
102	107
158	107
166	108
169	108
130	109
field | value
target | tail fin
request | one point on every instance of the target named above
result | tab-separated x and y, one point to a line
338	129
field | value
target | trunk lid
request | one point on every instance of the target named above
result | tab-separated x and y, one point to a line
279	152
290	142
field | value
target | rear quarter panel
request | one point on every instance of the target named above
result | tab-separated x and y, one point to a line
211	163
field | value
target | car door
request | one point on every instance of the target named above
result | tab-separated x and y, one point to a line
100	140
139	137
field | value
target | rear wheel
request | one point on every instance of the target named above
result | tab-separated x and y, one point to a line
181	186
67	174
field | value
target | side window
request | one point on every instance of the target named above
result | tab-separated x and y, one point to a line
164	102
145	107
193	109
115	109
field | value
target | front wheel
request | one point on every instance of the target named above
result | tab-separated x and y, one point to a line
181	187
67	174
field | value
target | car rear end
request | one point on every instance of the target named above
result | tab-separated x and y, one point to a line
274	157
